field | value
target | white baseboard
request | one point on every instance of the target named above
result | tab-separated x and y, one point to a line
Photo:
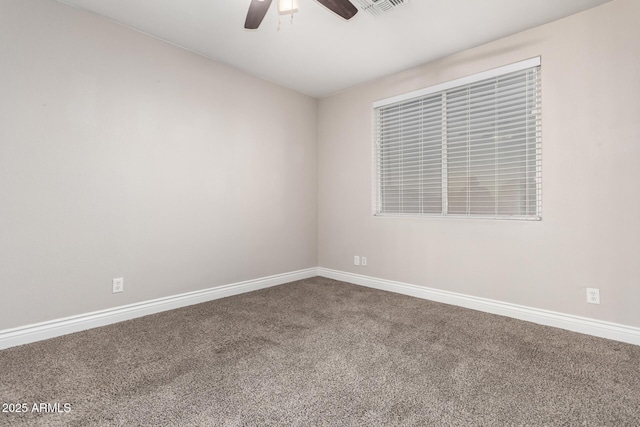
54	328
598	328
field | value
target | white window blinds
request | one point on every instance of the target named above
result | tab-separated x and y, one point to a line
468	148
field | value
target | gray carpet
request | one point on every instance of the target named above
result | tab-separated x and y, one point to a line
324	353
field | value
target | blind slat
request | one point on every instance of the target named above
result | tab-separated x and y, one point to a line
472	150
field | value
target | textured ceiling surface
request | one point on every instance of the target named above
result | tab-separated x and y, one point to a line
319	53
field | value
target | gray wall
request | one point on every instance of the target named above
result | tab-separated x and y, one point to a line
121	155
590	232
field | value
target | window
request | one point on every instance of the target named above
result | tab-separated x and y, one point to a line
466	148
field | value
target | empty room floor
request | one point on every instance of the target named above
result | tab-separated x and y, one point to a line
323	352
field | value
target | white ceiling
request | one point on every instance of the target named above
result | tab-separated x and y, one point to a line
320	53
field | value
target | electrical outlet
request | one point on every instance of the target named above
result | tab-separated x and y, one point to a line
593	296
118	285
363	261
356	260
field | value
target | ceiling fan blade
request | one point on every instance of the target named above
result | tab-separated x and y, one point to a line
255	15
344	8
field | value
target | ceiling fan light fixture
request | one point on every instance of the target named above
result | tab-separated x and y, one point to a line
287	6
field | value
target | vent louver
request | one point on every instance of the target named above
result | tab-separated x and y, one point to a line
378	7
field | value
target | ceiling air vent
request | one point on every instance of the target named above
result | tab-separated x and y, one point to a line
378	7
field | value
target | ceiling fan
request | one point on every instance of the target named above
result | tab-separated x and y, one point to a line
258	9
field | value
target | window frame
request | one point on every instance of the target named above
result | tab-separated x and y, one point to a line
442	89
